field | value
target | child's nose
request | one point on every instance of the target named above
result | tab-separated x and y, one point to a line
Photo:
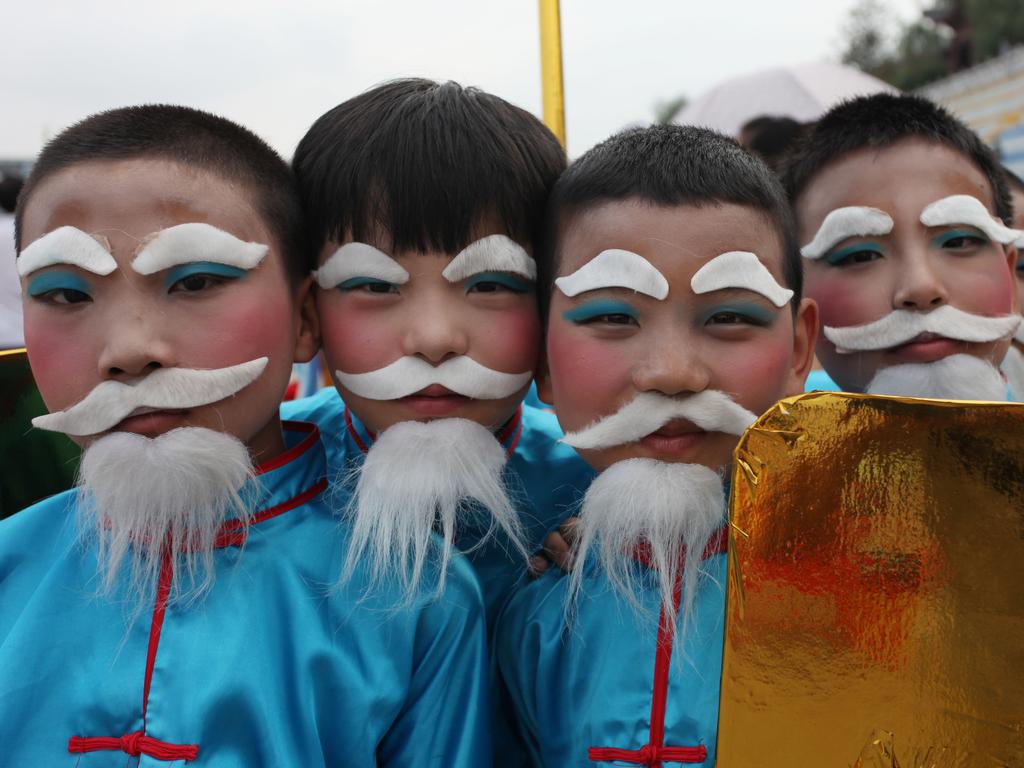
919	284
673	368
436	337
135	345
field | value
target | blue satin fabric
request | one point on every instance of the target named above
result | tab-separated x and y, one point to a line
276	666
545	476
589	683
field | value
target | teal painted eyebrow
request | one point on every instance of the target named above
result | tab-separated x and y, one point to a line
56	281
945	237
842	253
182	271
357	282
597	308
513	283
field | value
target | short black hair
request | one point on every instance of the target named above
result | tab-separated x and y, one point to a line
879	121
10	186
668	165
193	138
425	163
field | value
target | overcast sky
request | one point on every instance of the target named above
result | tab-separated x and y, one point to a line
276	68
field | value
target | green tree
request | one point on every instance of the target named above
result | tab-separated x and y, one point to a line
667	111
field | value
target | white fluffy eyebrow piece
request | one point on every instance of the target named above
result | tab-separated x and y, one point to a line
968	210
851	221
192	242
739	269
494	253
66	245
359	260
615	268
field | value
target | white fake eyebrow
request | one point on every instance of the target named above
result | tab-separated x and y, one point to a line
615	268
494	253
192	242
965	209
739	269
359	260
66	245
852	221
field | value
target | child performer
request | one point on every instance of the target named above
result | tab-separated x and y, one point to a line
424	203
674	316
902	214
1013	363
187	618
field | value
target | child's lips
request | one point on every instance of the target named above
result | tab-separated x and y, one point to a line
927	348
435	400
151	422
677	437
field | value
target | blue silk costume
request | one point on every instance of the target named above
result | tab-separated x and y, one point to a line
546	479
611	687
275	666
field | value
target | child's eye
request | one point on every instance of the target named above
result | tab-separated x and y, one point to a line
603	312
859	253
65	296
746	315
200	276
367	285
497	282
59	288
961	239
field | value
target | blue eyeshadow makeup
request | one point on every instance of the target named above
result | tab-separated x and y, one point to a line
183	271
513	283
598	308
56	281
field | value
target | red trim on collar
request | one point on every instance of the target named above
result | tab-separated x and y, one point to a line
312	435
354	434
717	544
233	533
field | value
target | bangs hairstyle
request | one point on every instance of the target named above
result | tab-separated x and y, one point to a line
879	121
668	165
422	164
194	139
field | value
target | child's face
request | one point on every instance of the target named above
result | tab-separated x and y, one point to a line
371	319
608	345
1018	223
914	267
84	328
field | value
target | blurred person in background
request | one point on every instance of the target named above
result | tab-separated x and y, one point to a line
771	137
11	336
1013	363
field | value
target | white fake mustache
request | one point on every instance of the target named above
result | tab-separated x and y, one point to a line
648	412
408	375
903	325
164	389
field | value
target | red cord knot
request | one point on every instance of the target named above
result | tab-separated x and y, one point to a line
131	743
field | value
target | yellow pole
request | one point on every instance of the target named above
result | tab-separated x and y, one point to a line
551	67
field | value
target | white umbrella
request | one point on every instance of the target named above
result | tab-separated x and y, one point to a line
803	92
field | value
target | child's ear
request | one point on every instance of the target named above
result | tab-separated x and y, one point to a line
307	342
542	377
805	334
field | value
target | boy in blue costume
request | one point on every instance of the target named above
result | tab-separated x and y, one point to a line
424	202
904	222
189	619
674	315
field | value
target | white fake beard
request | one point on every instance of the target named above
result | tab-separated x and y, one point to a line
657	505
419	477
144	498
1013	367
957	377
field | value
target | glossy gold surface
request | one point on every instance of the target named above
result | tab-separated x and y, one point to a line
553	97
876	586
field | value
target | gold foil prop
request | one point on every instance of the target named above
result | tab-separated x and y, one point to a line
552	91
876	586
